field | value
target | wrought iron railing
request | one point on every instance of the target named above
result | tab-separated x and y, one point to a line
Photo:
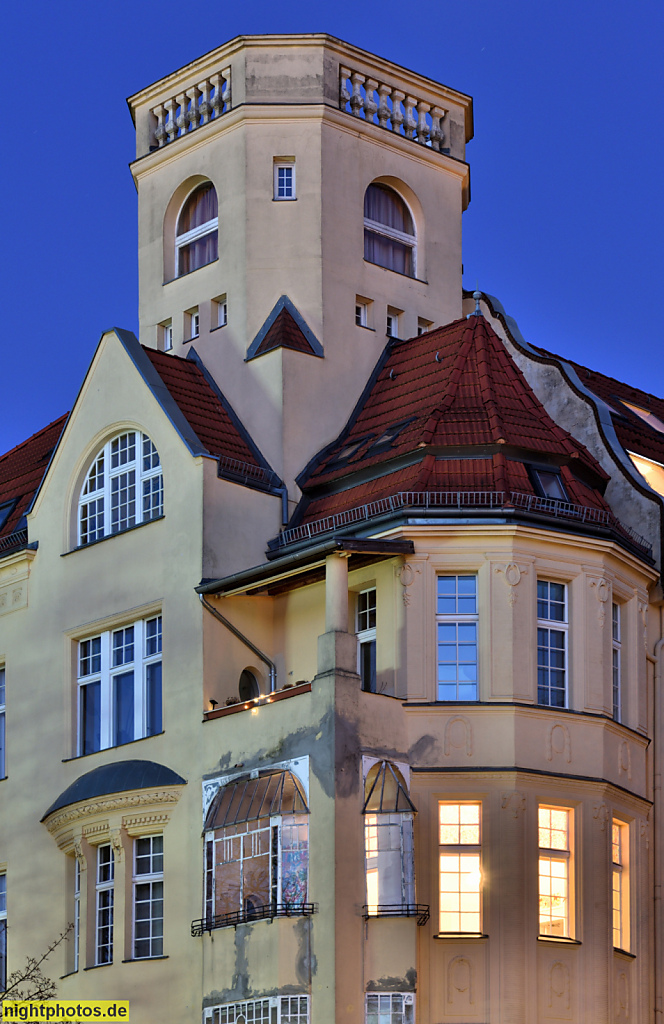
268	911
14	540
418	910
533	503
245	470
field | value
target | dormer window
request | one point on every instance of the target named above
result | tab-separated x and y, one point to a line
389	232
123	487
196	236
647	416
549	484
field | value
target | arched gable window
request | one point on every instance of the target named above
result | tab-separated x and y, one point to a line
389	231
196	233
123	487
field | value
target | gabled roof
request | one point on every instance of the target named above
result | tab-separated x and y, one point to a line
285	327
21	472
210	416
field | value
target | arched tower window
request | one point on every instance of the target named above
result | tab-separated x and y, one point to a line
123	487
389	231
196	234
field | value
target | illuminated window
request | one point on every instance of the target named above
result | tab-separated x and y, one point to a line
647	416
651	470
555	853
460	869
366	634
390	1008
620	883
105	900
457	637
616	655
551	644
275	1010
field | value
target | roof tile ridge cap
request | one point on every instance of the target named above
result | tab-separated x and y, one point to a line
487	391
451	387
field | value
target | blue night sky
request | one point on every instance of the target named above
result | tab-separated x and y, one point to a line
565	224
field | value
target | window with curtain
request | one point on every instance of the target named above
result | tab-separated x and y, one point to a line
389	232
196	237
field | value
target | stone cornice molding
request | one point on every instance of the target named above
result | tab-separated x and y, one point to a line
59	824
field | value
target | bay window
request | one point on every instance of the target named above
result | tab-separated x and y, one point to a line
616	654
119	686
148	885
552	644
555	871
457	624
388	843
460	874
620	883
105	893
390	1008
272	1010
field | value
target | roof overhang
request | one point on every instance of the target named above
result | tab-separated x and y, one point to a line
299	569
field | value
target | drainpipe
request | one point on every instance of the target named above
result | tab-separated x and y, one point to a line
659	813
236	632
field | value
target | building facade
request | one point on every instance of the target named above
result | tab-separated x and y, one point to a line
331	615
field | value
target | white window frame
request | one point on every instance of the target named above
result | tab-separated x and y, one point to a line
219	312
361	314
559	626
616	659
104	903
3	931
565	857
95	665
392	323
154	880
269	1010
398	236
191	236
103	480
423	326
77	912
458	618
620	886
387	1008
166	335
365	634
466	852
3	725
192	323
380	831
284	165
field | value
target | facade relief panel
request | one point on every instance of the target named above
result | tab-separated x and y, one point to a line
557	984
459	983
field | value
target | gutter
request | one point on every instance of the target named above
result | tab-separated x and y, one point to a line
252	647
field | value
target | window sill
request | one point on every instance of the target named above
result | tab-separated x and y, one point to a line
95	967
143	959
624	952
110	536
188	341
365	327
219	327
410	277
139	739
180	276
461	935
560	939
284	199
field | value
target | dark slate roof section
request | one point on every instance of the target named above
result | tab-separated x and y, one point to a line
116	778
285	328
456	386
21	471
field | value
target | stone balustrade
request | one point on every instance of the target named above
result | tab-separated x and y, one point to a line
190	108
408	116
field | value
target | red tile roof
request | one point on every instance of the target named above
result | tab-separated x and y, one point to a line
22	470
459	386
284	333
215	427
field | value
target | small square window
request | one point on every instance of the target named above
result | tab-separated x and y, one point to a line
219	312
284	179
165	335
361	314
423	325
393	322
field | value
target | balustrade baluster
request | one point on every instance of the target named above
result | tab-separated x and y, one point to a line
193	114
171	126
216	81
370	105
160	131
204	105
344	95
356	103
181	119
436	134
226	75
383	109
397	115
422	126
409	122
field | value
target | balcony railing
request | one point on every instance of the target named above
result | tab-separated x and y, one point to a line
394	110
267	912
418	910
429	500
187	110
247	472
17	539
